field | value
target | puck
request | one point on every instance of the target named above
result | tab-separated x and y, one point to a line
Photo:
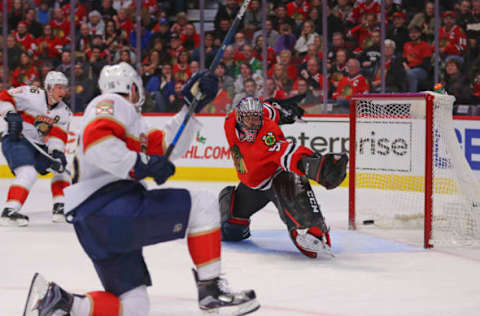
368	222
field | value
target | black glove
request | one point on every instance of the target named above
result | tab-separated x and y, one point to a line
156	166
15	125
60	163
328	170
288	108
208	86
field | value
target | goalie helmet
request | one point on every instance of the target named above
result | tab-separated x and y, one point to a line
249	116
119	79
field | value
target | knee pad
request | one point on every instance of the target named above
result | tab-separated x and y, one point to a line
204	213
135	302
235	229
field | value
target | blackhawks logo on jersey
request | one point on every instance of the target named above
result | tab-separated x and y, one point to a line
44	123
238	160
269	139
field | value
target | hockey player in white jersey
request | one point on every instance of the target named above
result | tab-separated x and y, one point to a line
39	116
115	216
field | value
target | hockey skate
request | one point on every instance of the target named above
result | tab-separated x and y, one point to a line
58	216
47	299
10	217
312	243
214	298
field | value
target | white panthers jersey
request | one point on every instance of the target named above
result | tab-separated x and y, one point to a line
41	124
111	135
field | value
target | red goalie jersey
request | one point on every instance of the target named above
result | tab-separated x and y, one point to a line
259	161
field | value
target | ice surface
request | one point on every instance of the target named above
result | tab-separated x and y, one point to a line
374	272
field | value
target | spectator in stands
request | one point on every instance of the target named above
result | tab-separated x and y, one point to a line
362	33
15	15
464	14
227	81
280	76
49	47
144	37
163	55
60	25
180	23
229	61
342	9
45	67
43	13
247	56
452	39
84	39
239	42
175	46
176	99
313	77
26	73
370	57
166	88
65	63
151	66
313	51
181	69
227	11
258	52
395	75
334	24
285	59
85	88
250	90
80	12
397	31
272	34
13	52
122	4
354	83
272	91
115	38
338	68
24	39
161	30
123	22
194	67
298	10
221	31
363	8
189	37
105	8
302	88
253	18
473	24
457	84
126	54
222	101
338	42
281	18
33	27
425	20
306	38
96	62
286	40
245	73
417	55
210	50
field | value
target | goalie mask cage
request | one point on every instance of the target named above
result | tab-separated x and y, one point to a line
407	169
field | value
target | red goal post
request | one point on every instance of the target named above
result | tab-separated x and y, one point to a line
407	170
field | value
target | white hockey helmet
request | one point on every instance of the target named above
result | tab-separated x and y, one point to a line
53	78
119	78
247	107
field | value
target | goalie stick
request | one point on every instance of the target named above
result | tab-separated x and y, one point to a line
211	70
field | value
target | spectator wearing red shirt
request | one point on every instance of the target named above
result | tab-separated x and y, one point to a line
417	55
281	78
175	45
354	83
257	52
362	33
181	69
80	13
123	22
272	91
49	46
60	25
363	7
25	40
298	10
189	37
25	73
285	59
453	40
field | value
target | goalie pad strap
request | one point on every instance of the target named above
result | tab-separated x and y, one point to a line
104	304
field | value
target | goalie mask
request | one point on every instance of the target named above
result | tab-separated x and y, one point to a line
119	79
249	116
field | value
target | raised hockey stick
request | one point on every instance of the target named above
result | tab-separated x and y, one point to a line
44	153
211	69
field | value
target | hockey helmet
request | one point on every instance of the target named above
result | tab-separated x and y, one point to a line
119	78
54	78
249	117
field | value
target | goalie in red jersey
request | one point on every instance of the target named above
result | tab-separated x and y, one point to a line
272	169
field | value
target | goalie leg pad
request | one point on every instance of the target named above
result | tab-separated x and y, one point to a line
311	242
226	198
236	229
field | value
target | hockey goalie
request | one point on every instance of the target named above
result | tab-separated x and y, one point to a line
272	169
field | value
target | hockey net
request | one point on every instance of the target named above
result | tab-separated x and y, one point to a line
407	169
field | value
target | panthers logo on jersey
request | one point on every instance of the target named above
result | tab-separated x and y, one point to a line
44	123
269	139
104	107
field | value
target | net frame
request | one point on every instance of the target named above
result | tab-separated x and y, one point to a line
437	107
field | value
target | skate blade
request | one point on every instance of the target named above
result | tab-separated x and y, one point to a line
38	289
58	218
237	310
310	243
7	222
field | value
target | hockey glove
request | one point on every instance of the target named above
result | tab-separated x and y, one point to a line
208	86
288	108
328	170
60	161
155	166
15	125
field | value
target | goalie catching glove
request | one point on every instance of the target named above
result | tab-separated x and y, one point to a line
328	170
288	108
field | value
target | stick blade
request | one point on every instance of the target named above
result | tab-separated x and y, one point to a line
38	289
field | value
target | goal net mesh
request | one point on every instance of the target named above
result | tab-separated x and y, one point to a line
390	169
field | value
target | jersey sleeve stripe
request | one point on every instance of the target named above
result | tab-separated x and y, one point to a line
271	111
156	142
6	97
287	156
58	133
101	129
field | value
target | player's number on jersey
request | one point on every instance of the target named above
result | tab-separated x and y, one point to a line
34	89
275	147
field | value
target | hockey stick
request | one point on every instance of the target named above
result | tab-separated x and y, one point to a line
44	153
211	69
